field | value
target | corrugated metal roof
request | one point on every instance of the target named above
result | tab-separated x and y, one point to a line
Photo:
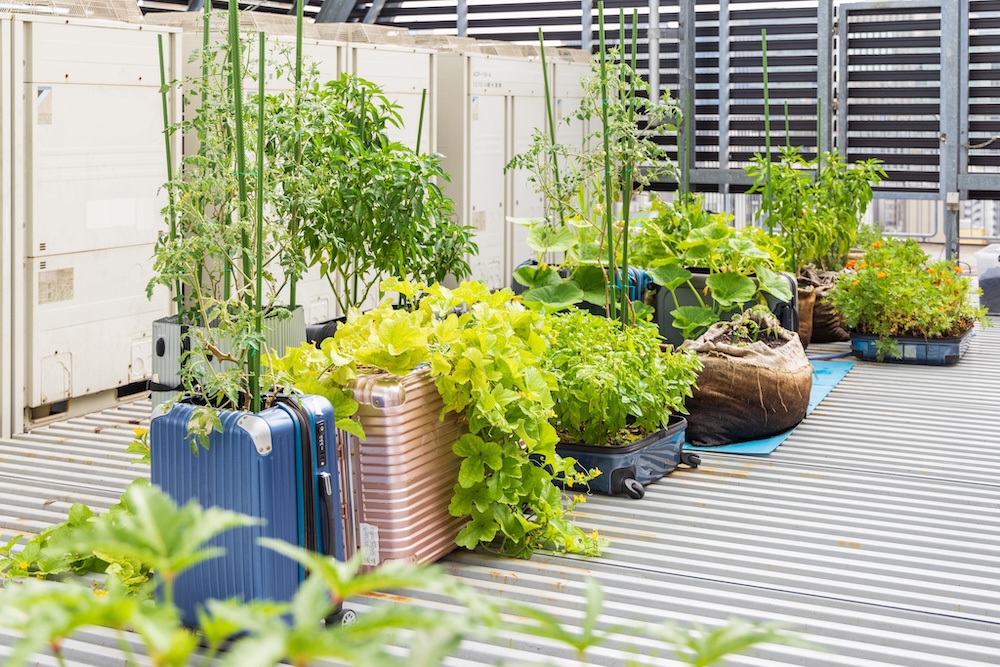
873	531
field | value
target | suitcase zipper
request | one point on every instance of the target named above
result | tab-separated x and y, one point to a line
308	475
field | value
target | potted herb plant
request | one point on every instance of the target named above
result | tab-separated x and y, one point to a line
386	215
618	399
234	439
903	307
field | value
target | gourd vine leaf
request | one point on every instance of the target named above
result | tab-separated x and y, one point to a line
555	297
477	455
591	281
773	283
537	276
731	289
545	238
482	528
690	318
670	276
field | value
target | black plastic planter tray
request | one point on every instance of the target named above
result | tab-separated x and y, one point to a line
931	352
628	468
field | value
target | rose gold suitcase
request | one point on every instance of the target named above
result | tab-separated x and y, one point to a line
403	475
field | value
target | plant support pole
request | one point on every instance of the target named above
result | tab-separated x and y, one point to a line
552	129
255	353
294	222
627	183
608	218
420	124
819	137
767	133
171	212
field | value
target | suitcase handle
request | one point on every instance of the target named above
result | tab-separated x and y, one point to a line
330	514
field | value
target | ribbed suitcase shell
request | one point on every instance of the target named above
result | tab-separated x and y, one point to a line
256	475
406	469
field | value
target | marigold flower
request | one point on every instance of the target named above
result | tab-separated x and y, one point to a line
876	265
948	281
958	269
864	265
881	274
932	270
876	244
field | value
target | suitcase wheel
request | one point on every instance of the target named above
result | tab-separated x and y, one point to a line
342	617
691	459
633	489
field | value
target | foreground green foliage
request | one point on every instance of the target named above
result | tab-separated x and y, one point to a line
263	634
896	290
614	385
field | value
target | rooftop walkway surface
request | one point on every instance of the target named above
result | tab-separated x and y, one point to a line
873	532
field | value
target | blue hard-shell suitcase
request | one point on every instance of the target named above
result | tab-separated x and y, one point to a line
627	469
280	465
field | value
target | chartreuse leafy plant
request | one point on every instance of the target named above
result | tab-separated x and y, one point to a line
896	290
614	386
741	264
485	352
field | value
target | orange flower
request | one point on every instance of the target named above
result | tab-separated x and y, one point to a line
876	244
881	274
850	264
855	283
864	265
958	269
932	270
948	281
876	265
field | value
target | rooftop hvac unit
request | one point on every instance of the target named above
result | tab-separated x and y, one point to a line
488	107
84	163
112	10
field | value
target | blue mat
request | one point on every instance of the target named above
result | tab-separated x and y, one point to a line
826	375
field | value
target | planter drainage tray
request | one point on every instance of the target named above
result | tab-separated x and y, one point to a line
628	468
826	376
930	352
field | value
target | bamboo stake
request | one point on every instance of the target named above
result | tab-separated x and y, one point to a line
627	182
420	125
819	137
552	129
171	212
788	138
294	222
608	218
767	134
259	264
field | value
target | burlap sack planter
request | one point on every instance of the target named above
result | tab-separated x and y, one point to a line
807	301
747	391
827	324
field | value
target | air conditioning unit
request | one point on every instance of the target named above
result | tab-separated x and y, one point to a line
83	154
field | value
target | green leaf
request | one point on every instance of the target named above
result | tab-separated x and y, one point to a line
670	276
545	238
591	282
690	318
556	297
537	276
731	289
774	284
482	528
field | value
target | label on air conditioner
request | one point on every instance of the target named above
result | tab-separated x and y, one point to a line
43	105
369	543
55	285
